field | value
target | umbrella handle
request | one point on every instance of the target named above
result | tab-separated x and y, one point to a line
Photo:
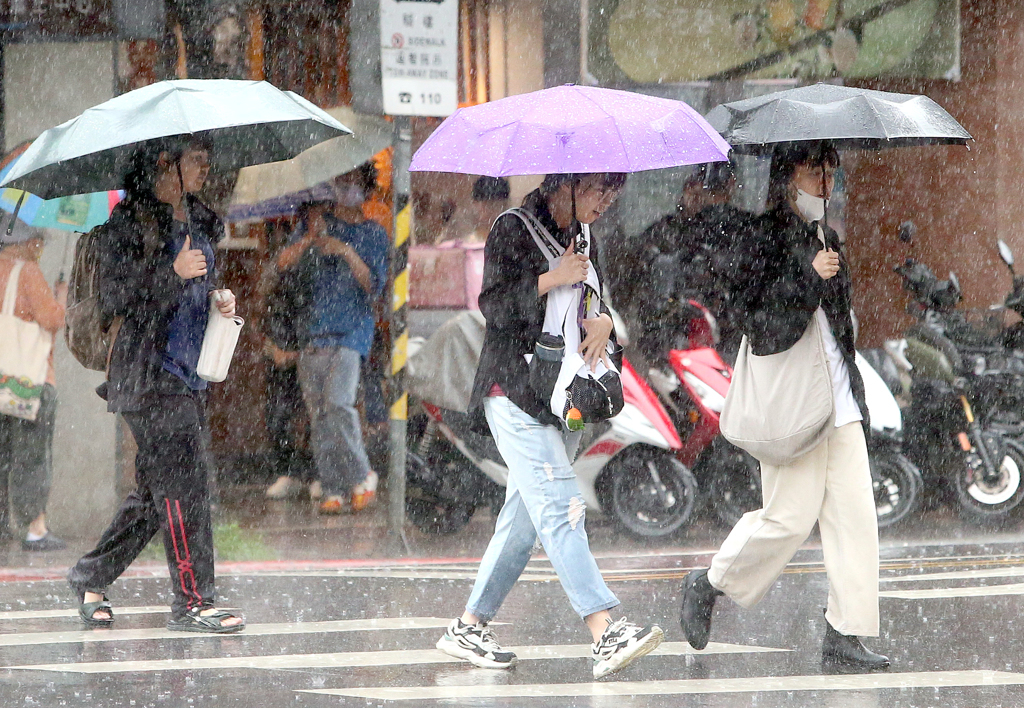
14	216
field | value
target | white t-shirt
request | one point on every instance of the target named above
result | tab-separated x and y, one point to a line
847	410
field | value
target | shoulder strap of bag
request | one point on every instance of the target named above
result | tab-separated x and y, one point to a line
11	293
541	236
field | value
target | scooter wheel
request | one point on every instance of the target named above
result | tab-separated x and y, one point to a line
649	493
897	484
429	511
734	478
989	502
436	517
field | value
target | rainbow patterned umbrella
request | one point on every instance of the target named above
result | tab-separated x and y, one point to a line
79	212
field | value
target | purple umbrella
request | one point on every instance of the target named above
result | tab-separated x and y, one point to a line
570	129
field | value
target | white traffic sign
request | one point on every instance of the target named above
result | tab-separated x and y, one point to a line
419	54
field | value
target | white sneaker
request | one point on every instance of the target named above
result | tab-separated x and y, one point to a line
476	644
623	643
364	493
315	490
283	488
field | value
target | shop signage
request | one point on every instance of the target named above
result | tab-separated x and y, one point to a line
59	18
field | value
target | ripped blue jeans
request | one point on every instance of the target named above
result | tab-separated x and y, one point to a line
542	499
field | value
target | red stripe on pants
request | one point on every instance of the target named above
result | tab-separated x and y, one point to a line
184	564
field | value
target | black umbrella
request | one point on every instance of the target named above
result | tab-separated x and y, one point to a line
848	117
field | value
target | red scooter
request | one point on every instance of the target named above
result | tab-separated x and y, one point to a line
627	467
692	381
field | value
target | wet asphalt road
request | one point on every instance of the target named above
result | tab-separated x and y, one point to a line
359	633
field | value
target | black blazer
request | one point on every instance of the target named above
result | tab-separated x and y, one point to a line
778	291
137	283
514	309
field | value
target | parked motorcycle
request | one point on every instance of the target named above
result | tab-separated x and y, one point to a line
626	467
958	431
692	380
897	482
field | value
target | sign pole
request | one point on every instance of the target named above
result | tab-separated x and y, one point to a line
399	329
419	45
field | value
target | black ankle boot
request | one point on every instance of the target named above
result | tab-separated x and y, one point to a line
845	651
698	603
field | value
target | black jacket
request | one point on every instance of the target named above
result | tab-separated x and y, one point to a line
690	258
778	290
138	284
514	309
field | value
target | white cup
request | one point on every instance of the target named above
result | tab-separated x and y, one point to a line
218	343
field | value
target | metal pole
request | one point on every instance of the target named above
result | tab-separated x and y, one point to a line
399	331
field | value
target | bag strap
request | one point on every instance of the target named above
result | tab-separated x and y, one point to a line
11	293
115	328
546	243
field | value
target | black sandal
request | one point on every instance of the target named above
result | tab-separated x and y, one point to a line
193	621
86	610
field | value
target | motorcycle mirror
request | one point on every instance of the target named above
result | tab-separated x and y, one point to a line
955	281
907	232
1006	254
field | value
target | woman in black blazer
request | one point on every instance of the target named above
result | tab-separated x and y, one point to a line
794	273
542	496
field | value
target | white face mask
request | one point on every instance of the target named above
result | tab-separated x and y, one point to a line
810	207
350	195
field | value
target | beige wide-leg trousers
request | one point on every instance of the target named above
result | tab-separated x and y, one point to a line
830	485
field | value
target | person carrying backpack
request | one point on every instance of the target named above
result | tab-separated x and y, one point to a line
157	270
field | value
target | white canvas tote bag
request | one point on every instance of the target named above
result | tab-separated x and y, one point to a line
24	356
780	406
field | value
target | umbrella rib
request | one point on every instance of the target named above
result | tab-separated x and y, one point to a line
877	118
505	161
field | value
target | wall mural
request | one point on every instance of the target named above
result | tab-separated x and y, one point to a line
678	41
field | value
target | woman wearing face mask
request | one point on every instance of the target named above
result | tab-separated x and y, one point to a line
794	271
346	257
542	498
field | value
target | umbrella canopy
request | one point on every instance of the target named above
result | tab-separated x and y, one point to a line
79	212
850	117
570	129
249	122
268	191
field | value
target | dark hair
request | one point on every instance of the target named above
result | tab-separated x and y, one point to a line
785	160
715	176
366	176
552	183
302	213
140	178
491	189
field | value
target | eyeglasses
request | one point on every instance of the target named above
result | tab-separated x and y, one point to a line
606	193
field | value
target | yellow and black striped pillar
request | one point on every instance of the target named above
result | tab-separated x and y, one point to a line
399	330
399	313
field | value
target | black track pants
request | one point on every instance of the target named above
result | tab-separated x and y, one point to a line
172	496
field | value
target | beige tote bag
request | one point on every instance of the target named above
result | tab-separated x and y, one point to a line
24	356
781	406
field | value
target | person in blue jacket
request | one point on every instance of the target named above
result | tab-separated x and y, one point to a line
345	257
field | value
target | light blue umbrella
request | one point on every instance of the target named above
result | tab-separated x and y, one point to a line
79	212
248	122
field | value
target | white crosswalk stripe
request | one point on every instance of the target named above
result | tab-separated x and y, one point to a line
944	593
124	635
364	659
862	682
49	614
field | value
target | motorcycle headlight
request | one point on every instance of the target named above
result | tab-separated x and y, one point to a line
664	382
711	398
